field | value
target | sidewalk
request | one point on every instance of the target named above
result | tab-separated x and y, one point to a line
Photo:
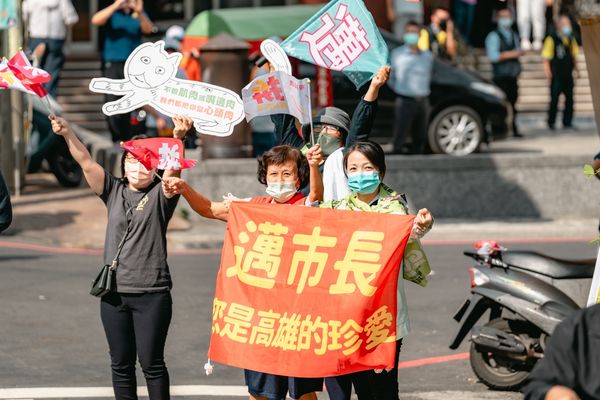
47	214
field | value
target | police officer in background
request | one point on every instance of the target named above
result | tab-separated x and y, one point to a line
503	51
438	37
560	65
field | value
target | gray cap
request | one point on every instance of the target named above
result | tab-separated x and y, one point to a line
331	116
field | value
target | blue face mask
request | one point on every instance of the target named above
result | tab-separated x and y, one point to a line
364	182
505	22
411	38
566	30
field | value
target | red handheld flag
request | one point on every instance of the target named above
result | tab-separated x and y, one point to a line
160	153
25	77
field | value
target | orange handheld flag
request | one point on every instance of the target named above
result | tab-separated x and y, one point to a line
308	292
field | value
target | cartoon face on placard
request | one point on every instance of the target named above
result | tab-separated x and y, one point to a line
150	80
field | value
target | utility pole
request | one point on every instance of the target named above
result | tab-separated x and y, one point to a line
589	19
7	159
15	43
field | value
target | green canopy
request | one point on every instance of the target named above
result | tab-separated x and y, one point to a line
251	23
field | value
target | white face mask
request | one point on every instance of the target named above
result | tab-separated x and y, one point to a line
138	175
281	191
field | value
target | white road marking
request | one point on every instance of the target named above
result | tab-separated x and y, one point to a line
214	390
92	392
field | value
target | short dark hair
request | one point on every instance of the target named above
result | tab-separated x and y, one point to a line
279	155
372	151
412	22
440	8
125	152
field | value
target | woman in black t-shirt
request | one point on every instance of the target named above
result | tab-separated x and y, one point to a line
137	314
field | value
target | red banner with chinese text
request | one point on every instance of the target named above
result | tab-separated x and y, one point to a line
307	292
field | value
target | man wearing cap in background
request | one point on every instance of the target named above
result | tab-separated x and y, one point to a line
158	124
333	131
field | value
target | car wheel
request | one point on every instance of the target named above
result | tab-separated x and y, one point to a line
455	130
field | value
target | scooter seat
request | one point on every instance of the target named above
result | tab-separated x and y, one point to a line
549	266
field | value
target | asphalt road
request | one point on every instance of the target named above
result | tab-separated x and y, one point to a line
52	336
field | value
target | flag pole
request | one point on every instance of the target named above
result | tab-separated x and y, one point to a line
47	104
157	175
312	133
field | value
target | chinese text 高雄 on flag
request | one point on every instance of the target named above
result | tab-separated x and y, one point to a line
277	93
342	36
160	153
307	292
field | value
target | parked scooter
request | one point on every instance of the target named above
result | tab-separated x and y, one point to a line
527	295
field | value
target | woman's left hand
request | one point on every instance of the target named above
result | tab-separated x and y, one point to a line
315	156
183	124
423	221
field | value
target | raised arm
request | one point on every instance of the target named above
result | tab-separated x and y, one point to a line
286	132
182	125
199	203
145	24
315	158
93	172
364	115
102	16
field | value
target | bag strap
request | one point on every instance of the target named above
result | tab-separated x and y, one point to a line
115	261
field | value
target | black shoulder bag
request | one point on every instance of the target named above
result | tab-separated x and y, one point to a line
106	279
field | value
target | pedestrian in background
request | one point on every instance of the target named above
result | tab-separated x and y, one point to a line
135	315
438	37
47	22
123	24
560	66
5	205
410	79
503	51
464	15
531	12
400	12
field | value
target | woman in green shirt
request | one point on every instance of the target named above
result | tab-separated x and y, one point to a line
365	167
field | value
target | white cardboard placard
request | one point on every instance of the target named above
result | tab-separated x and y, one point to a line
274	53
150	80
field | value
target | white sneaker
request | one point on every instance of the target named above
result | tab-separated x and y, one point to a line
525	45
537	45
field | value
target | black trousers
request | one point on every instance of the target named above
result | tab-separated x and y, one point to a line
368	385
510	87
136	325
411	117
119	125
565	86
52	61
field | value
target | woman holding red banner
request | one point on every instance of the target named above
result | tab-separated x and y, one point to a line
284	170
365	167
136	315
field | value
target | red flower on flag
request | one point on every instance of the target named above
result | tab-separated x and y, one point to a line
160	153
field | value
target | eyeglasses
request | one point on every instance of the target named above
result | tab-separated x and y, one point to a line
318	128
130	159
